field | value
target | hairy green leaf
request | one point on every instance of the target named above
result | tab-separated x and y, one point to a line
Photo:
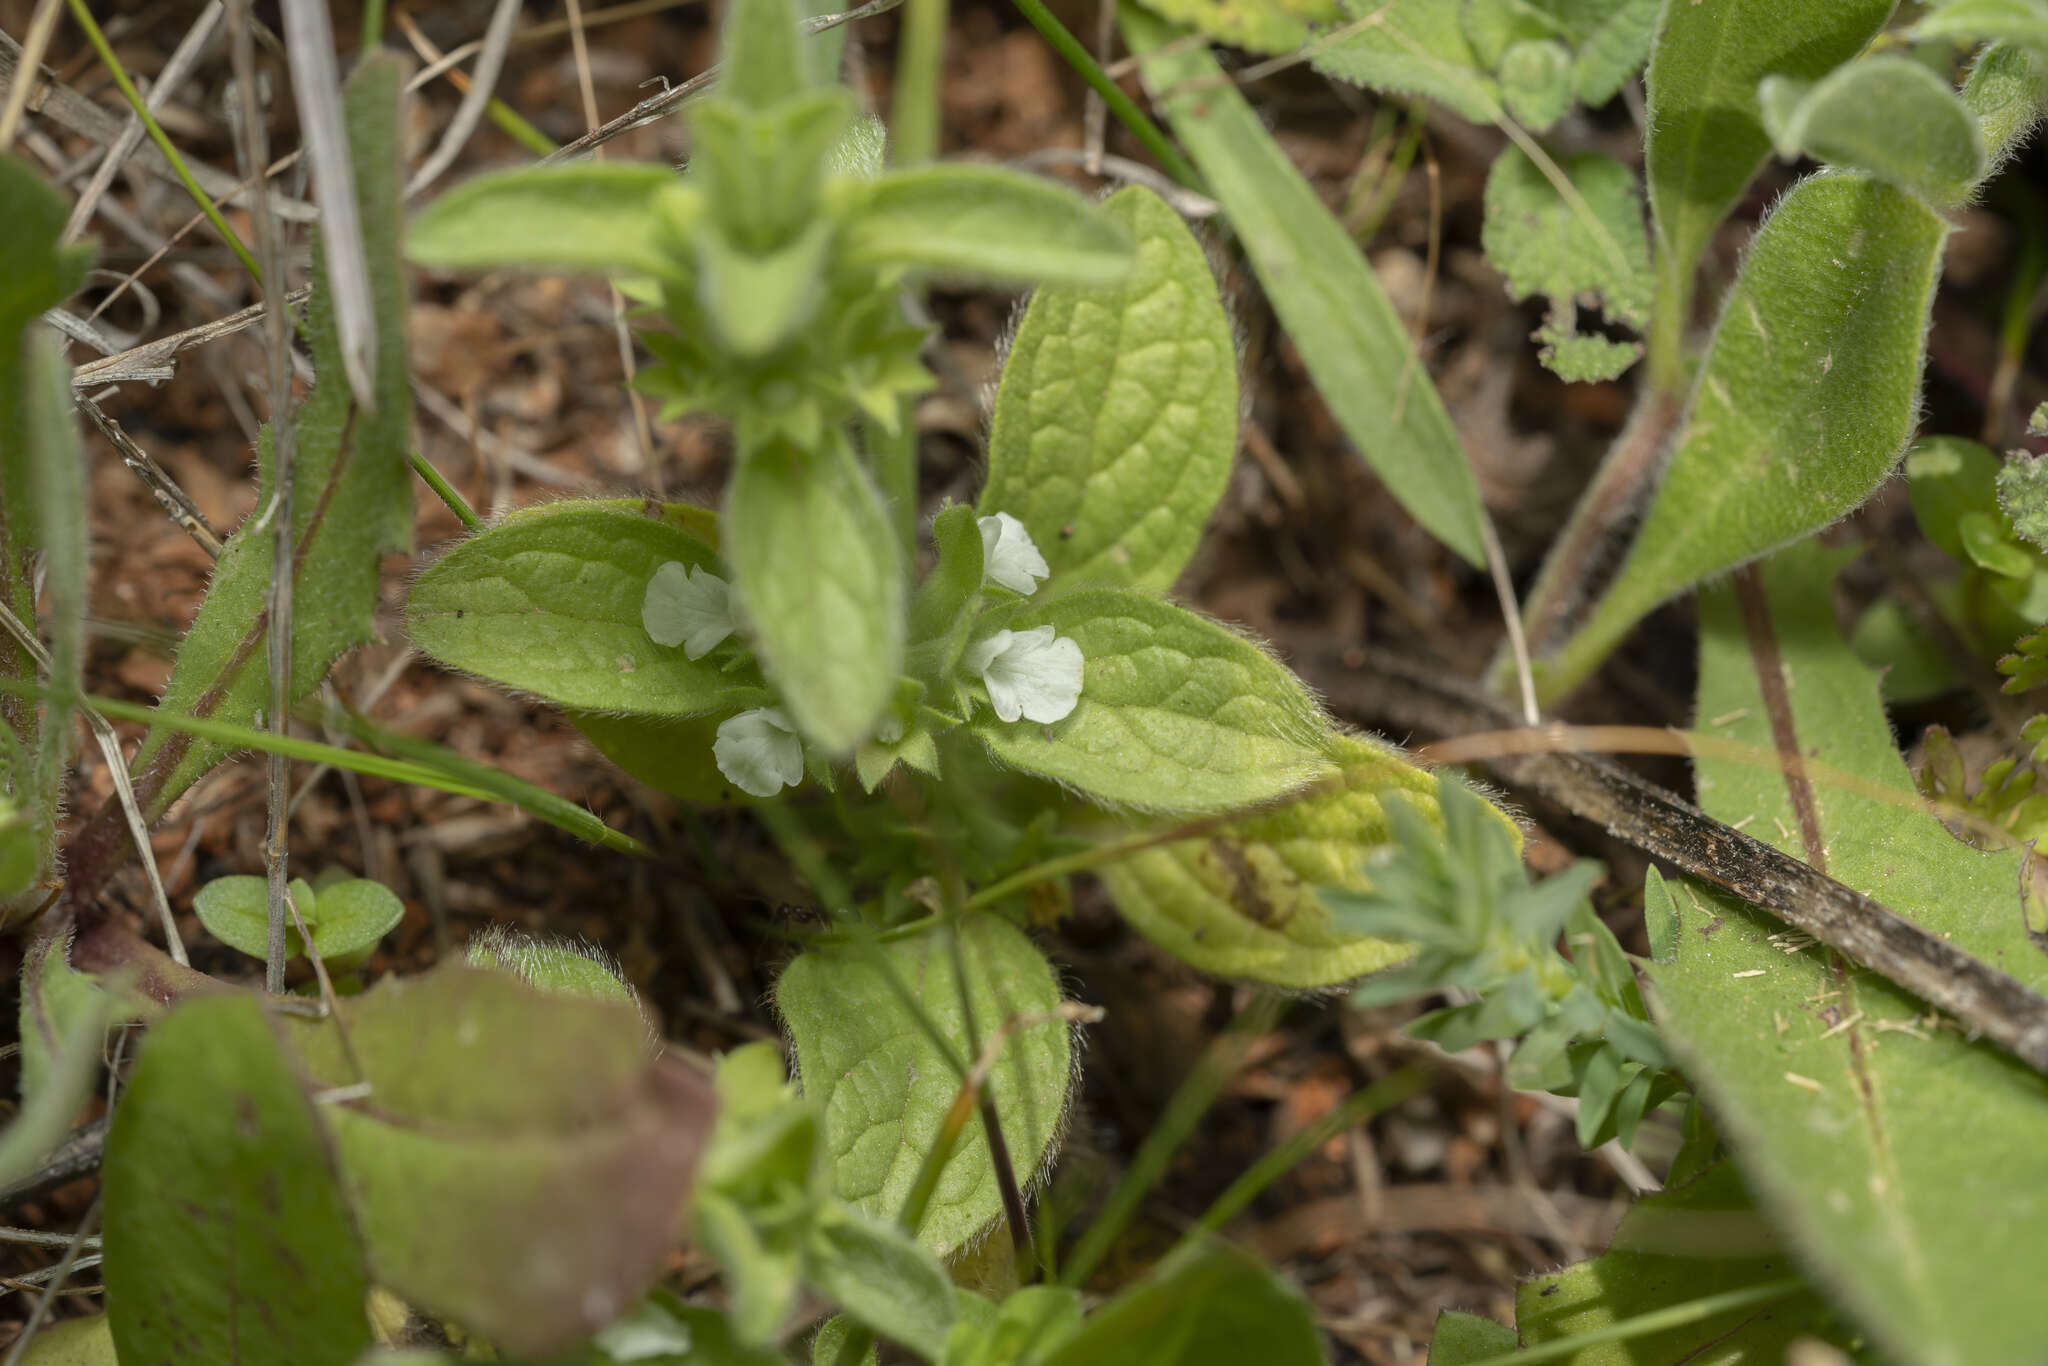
669	754
765	58
1460	1338
1209	1304
1887	115
817	569
1410	47
1339	317
1116	421
2022	22
2023	493
1613	39
1683	1245
1536	82
986	223
1177	713
1706	137
226	1237
352	499
883	1278
2006	92
64	1019
522	1162
1267	26
1241	901
885	1087
1804	402
549	601
1897	1157
585	215
1563	249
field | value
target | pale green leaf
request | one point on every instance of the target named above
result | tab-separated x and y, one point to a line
74	1342
1177	713
1353	342
1037	1317
353	501
1591	245
1241	901
2005	91
1697	1240
1613	43
2023	493
1461	1337
816	567
883	1278
1265	26
2024	22
1887	115
1706	138
548	601
885	1087
559	967
585	215
763	57
986	223
1900	1160
226	1237
1210	1304
1409	47
522	1163
1802	406
347	918
1536	82
1116	420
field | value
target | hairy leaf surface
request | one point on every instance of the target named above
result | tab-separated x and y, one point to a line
965	221
885	1087
1116	421
1887	115
586	215
1412	47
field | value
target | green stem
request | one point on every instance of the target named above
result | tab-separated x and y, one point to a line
373	25
162	139
1642	1325
921	52
1127	112
446	492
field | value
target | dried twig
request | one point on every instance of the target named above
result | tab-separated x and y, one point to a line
482	81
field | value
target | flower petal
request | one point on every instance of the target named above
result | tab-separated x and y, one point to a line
1033	675
689	607
758	750
1009	556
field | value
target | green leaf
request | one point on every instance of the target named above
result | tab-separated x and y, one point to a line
1333	307
884	1087
1677	1247
1887	115
1038	1317
226	1237
1264	26
1592	244
558	967
2006	92
1898	1158
74	1342
1209	1304
1461	1338
1949	478
1116	420
346	918
883	1278
816	567
42	271
1613	43
2021	22
763	57
1408	47
63	1029
2023	494
548	601
986	223
353	499
1806	398
1242	902
1536	82
1706	138
1177	713
522	1162
585	215
671	755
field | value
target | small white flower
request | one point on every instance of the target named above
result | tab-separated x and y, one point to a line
687	607
1009	554
1030	673
759	751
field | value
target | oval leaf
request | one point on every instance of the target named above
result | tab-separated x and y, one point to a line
586	215
815	564
1887	115
1210	1304
549	601
885	1088
1241	902
1116	421
1803	405
1177	713
226	1238
986	223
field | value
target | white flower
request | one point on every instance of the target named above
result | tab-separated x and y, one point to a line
759	751
687	607
1029	673
1009	555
